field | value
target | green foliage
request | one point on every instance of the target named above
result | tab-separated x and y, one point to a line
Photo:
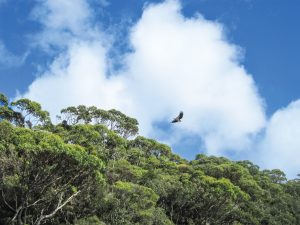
85	170
124	171
3	100
32	112
93	220
114	120
7	113
131	204
23	112
40	174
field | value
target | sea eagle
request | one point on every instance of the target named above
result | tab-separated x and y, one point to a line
178	118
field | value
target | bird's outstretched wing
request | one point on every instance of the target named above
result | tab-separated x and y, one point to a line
178	118
180	115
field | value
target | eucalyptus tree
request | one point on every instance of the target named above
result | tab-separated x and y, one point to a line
42	178
32	112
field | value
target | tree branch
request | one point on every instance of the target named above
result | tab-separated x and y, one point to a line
59	206
6	203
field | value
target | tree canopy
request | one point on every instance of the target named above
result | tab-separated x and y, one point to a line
93	168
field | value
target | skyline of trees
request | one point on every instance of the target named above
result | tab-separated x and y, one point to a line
93	168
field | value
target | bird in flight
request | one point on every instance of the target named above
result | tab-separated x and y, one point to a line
178	118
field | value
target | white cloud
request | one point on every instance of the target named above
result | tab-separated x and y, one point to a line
180	63
77	77
281	146
63	22
176	63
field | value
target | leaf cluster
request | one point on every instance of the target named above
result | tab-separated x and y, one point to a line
86	170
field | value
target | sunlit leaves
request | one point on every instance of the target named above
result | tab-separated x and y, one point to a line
113	119
41	174
32	112
92	169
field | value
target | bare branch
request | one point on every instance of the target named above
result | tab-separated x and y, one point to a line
6	203
59	206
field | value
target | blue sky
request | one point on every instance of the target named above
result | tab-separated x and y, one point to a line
115	54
